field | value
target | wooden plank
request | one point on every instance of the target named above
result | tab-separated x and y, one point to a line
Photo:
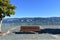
29	28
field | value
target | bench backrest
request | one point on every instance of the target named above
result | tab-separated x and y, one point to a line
29	28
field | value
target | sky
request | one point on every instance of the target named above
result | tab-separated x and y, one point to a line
36	8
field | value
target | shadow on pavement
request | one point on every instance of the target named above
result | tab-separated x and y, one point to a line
50	31
23	33
47	30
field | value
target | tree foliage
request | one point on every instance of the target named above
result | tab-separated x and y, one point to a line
6	9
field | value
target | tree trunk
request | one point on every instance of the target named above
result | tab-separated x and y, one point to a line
0	24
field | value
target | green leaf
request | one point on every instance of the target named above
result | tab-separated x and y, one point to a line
6	8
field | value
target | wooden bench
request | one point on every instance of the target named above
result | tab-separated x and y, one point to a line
29	28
